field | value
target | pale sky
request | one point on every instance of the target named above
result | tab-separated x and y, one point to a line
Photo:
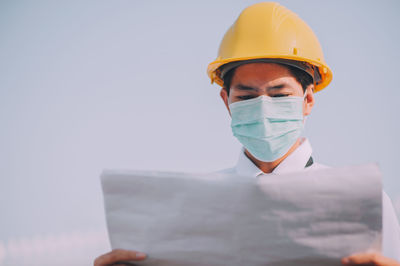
88	85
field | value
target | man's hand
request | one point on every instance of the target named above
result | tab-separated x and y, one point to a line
369	258
118	257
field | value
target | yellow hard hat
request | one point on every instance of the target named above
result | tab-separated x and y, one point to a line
270	32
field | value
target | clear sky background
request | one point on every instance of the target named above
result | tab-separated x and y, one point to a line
88	85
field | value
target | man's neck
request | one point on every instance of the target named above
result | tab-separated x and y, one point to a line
268	167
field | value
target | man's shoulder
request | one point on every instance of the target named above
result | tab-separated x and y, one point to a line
317	166
391	228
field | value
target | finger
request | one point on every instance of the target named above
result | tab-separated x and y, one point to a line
368	258
119	255
361	258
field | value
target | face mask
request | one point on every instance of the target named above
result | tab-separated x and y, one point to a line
267	126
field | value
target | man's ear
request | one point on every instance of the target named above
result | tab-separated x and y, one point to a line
225	97
309	100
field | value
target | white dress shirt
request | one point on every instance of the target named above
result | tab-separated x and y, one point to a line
297	161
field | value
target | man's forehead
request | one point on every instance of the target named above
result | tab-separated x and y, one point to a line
261	72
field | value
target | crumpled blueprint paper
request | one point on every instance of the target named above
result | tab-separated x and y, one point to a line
306	218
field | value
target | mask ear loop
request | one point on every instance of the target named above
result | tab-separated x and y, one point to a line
304	117
305	95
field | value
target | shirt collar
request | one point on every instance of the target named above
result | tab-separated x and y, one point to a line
296	161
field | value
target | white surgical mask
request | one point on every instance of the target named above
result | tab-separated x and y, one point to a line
268	126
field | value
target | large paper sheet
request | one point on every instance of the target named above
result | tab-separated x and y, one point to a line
306	218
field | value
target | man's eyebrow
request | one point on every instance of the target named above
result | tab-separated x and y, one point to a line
278	86
249	88
246	88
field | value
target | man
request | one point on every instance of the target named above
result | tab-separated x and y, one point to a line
270	64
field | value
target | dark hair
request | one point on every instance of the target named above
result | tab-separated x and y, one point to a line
301	76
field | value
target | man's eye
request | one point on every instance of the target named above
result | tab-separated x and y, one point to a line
280	95
246	97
